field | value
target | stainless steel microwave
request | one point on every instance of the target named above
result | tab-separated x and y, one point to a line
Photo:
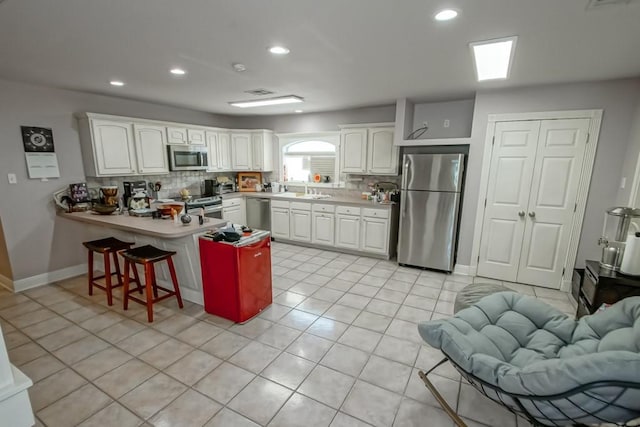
188	157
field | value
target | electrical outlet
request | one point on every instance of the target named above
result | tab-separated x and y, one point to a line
13	179
446	123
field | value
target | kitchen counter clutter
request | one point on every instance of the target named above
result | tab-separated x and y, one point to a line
161	228
291	196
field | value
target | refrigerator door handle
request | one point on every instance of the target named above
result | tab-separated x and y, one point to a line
405	173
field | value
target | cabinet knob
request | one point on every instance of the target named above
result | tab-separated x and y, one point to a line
532	214
521	214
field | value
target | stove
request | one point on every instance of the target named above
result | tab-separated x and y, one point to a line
212	206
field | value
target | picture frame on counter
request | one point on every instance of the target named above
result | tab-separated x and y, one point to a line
247	181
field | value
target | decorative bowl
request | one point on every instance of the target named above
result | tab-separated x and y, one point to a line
104	209
166	209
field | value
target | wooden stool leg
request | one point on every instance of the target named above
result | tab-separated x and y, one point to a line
107	278
125	290
117	264
148	280
154	284
174	279
90	272
136	277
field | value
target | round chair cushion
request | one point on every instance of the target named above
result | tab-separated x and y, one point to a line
471	294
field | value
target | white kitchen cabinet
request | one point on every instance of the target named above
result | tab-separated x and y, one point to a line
382	157
224	142
375	235
323	228
108	147
151	149
219	151
300	217
213	144
234	210
241	151
262	154
177	135
196	136
280	222
353	150
348	231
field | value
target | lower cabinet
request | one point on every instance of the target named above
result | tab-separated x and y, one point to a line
375	235
348	231
323	228
233	210
280	222
300	225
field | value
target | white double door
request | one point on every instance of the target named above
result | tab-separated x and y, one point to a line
531	199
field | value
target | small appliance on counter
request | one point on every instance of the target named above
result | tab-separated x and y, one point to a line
109	195
615	229
209	187
133	187
236	275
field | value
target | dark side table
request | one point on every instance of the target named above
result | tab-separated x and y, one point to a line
593	286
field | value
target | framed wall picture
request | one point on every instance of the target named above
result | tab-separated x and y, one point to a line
37	140
247	181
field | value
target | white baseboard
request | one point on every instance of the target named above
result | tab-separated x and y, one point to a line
566	285
6	283
466	270
192	295
49	277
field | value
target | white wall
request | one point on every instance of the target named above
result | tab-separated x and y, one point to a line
617	98
631	159
37	240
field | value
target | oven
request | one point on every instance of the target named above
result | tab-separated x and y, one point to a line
212	207
188	157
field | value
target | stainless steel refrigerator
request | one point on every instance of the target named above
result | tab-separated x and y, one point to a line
430	209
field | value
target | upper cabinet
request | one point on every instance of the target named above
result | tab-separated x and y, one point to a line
368	151
151	148
121	146
184	135
353	150
108	147
262	150
241	151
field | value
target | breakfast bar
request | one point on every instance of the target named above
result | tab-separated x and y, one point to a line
162	233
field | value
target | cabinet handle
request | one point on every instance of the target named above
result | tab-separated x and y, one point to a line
521	214
532	214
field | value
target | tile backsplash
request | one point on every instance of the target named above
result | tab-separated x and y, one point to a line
173	182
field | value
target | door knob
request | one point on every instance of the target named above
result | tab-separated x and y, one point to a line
532	214
521	214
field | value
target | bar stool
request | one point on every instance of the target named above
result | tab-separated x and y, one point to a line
106	247
148	256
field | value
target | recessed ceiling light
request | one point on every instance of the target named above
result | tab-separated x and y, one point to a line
445	15
116	83
493	58
239	67
178	71
298	111
279	50
290	99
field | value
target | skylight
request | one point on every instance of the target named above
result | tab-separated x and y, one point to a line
493	58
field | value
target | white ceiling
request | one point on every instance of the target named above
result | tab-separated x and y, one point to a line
344	53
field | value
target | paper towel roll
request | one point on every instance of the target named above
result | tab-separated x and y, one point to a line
631	259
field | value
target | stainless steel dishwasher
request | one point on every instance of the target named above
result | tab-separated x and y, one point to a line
259	213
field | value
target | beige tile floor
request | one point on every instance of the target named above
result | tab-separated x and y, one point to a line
339	347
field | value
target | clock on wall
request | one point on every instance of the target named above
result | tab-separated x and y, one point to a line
37	140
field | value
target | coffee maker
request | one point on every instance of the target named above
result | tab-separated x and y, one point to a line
209	187
131	188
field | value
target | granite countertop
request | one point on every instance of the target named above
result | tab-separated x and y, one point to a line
289	196
162	228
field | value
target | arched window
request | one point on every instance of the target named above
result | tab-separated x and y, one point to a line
304	157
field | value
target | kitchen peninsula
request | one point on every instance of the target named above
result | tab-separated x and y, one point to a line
165	234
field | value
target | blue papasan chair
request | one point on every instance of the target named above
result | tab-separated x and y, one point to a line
542	364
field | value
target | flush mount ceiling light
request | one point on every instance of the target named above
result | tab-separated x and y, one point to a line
445	15
279	50
289	99
177	71
239	68
493	58
116	83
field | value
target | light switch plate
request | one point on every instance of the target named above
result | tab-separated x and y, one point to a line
13	179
